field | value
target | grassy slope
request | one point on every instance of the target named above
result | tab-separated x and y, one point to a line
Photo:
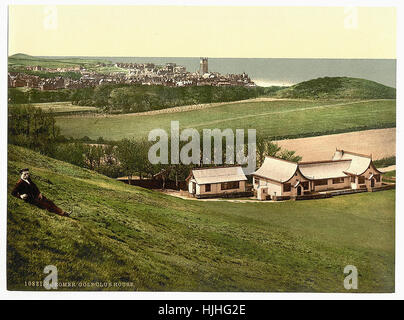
123	233
19	59
390	176
337	88
275	118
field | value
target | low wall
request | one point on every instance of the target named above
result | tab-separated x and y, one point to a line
347	191
384	187
157	184
225	195
331	194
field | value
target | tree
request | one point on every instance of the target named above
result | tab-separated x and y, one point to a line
32	127
127	154
73	153
94	154
290	155
266	147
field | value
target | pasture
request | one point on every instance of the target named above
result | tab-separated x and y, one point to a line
61	107
277	119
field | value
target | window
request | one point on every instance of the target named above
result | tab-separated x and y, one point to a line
305	185
322	182
361	180
353	179
286	187
257	181
338	180
377	177
207	187
230	185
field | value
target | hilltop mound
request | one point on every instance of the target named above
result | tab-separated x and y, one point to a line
150	241
22	56
338	88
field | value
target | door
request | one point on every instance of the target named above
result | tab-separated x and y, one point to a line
193	187
372	183
299	190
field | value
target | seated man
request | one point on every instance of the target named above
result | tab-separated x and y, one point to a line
29	192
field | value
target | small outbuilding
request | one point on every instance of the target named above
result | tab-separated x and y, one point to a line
218	182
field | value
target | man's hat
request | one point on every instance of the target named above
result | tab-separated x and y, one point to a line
23	170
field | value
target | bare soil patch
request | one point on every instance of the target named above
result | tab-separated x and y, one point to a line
380	143
387	169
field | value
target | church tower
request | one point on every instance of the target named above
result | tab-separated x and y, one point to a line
203	68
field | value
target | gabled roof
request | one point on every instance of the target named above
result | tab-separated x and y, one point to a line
359	163
277	169
324	169
343	164
218	175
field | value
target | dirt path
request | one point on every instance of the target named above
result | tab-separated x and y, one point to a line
177	194
380	143
387	169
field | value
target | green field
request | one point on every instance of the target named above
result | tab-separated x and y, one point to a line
51	62
109	69
18	61
124	233
277	119
61	107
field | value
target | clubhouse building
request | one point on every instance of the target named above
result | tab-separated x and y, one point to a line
277	178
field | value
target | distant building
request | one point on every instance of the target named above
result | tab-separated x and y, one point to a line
203	66
19	83
52	84
180	69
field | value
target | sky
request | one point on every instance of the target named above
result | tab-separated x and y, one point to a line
216	32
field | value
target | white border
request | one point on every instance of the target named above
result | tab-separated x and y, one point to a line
4	294
241	3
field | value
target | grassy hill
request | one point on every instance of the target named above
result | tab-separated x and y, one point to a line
22	56
121	233
338	88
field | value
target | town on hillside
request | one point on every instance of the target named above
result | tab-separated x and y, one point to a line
169	74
